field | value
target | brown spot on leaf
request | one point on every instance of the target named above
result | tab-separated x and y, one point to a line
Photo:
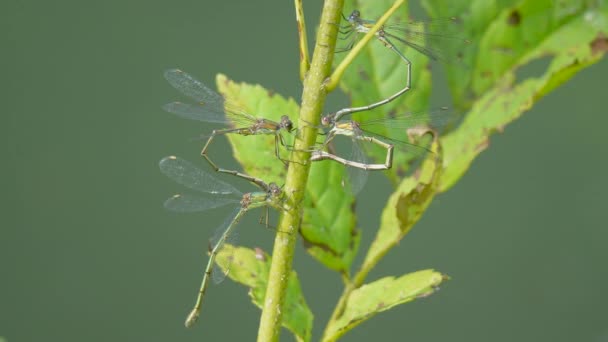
354	233
310	244
266	169
363	74
600	44
514	18
482	146
417	174
401	172
259	254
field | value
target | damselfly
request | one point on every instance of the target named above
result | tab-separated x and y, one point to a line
399	125
185	173
212	107
431	38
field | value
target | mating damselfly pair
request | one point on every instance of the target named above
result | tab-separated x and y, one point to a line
211	107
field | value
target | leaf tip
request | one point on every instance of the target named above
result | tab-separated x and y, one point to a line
220	78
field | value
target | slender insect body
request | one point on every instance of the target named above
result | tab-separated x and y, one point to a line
187	174
347	128
212	107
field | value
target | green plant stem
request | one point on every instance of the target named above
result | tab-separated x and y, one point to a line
357	281
303	40
338	310
334	79
354	284
313	99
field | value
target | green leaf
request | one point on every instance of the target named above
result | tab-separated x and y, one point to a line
405	207
569	37
251	269
328	226
381	295
378	73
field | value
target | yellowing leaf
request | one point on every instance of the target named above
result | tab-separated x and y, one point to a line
381	295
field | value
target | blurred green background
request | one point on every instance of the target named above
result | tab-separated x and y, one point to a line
87	252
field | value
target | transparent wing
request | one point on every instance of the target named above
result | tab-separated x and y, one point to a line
357	176
423	31
408	143
438	39
210	106
196	112
224	234
194	89
437	118
218	275
185	203
188	175
202	112
404	130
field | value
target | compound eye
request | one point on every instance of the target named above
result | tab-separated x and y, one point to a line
286	123
273	187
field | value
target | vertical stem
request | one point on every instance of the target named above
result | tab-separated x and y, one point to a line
313	99
303	40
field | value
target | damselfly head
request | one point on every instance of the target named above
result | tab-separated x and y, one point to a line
286	123
327	120
354	16
274	189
